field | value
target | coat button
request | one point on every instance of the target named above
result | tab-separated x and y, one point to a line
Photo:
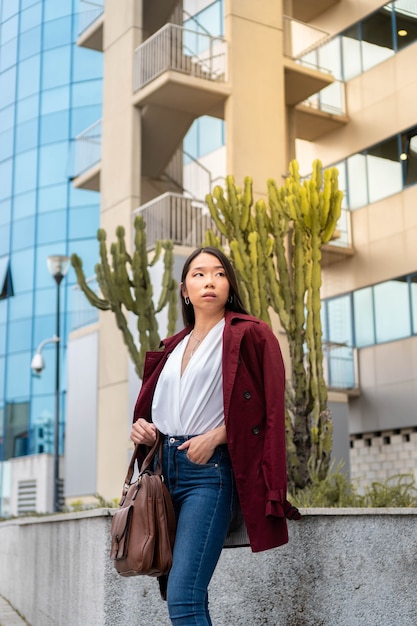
256	430
247	395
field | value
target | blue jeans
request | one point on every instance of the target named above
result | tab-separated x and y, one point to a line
204	500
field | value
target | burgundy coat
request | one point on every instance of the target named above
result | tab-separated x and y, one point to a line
253	394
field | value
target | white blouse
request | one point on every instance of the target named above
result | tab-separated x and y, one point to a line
191	404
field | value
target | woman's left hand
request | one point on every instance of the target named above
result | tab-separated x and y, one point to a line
201	448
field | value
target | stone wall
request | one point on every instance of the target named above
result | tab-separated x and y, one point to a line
342	567
378	456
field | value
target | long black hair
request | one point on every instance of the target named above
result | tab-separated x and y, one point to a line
234	301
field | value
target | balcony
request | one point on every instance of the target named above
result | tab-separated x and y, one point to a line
306	10
179	75
90	25
321	113
173	216
302	78
183	70
86	158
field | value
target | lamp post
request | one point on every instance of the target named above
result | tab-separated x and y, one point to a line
58	267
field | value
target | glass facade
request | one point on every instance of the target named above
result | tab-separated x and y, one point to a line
206	133
379	171
50	90
366	317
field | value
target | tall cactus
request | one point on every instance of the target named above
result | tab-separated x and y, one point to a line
276	250
126	286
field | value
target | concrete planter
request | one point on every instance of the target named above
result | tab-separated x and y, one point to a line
342	567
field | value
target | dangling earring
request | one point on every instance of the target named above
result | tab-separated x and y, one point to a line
187	300
230	299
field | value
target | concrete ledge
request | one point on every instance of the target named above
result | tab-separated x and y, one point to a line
342	567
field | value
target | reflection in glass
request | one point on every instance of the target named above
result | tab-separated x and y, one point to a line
357	192
363	317
16	429
392	310
18	375
384	170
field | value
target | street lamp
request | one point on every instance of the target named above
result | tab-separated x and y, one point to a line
58	266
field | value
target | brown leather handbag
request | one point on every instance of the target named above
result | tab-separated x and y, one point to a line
143	529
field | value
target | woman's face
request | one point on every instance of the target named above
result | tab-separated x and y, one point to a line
206	284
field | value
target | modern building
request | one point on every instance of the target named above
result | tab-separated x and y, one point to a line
195	90
50	91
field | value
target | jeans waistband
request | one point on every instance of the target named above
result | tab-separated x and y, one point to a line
176	440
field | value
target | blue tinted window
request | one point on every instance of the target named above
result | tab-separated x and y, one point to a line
3	311
84	222
52	227
30	17
2	339
9	8
363	310
57	33
83	117
54	127
87	93
56	67
6	170
44	327
25	171
9	29
88	64
55	100
18	386
52	198
23	233
43	277
392	310
4	239
42	414
88	251
27	135
45	299
19	335
29	75
7	87
20	306
53	163
7	117
27	108
83	197
5	211
8	56
30	43
54	9
6	144
191	142
22	264
24	204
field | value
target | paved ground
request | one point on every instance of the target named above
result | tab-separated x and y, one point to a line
8	616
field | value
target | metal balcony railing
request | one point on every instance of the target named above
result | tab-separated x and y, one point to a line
331	99
86	149
173	216
181	50
89	13
300	39
340	364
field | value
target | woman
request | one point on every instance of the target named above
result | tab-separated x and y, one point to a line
219	402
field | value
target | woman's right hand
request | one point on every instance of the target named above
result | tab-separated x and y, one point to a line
143	432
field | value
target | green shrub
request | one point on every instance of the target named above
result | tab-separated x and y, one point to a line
337	490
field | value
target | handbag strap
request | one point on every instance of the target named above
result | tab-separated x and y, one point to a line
146	463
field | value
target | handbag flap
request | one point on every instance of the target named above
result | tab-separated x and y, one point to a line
120	530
